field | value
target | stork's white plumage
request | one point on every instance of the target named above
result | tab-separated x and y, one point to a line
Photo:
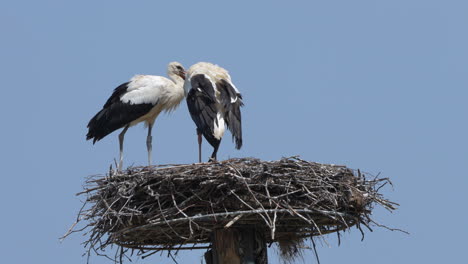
141	99
213	102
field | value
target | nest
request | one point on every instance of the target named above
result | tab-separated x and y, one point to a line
178	206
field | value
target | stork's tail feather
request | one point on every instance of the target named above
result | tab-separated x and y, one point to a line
98	126
115	116
239	143
93	136
235	126
232	102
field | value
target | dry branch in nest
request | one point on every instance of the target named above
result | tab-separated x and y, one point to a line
168	207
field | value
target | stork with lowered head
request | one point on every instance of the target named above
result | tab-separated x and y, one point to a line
214	104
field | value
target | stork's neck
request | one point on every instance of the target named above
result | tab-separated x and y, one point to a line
179	82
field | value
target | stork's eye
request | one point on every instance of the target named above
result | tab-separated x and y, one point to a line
179	67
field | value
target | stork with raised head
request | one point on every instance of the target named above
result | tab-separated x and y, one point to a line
214	103
141	99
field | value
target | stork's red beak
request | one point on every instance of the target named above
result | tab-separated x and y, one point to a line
182	74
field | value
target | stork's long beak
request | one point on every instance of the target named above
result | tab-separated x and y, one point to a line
182	74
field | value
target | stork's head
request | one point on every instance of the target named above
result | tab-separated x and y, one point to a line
176	68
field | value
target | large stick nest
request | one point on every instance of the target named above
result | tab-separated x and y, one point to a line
165	207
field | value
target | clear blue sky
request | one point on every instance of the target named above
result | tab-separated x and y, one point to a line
375	85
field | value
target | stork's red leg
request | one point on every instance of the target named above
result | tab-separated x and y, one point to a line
215	151
199	145
121	141
149	145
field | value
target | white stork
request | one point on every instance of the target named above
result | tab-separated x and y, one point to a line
141	99
213	102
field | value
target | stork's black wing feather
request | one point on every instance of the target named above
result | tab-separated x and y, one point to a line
231	101
114	115
201	103
118	92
